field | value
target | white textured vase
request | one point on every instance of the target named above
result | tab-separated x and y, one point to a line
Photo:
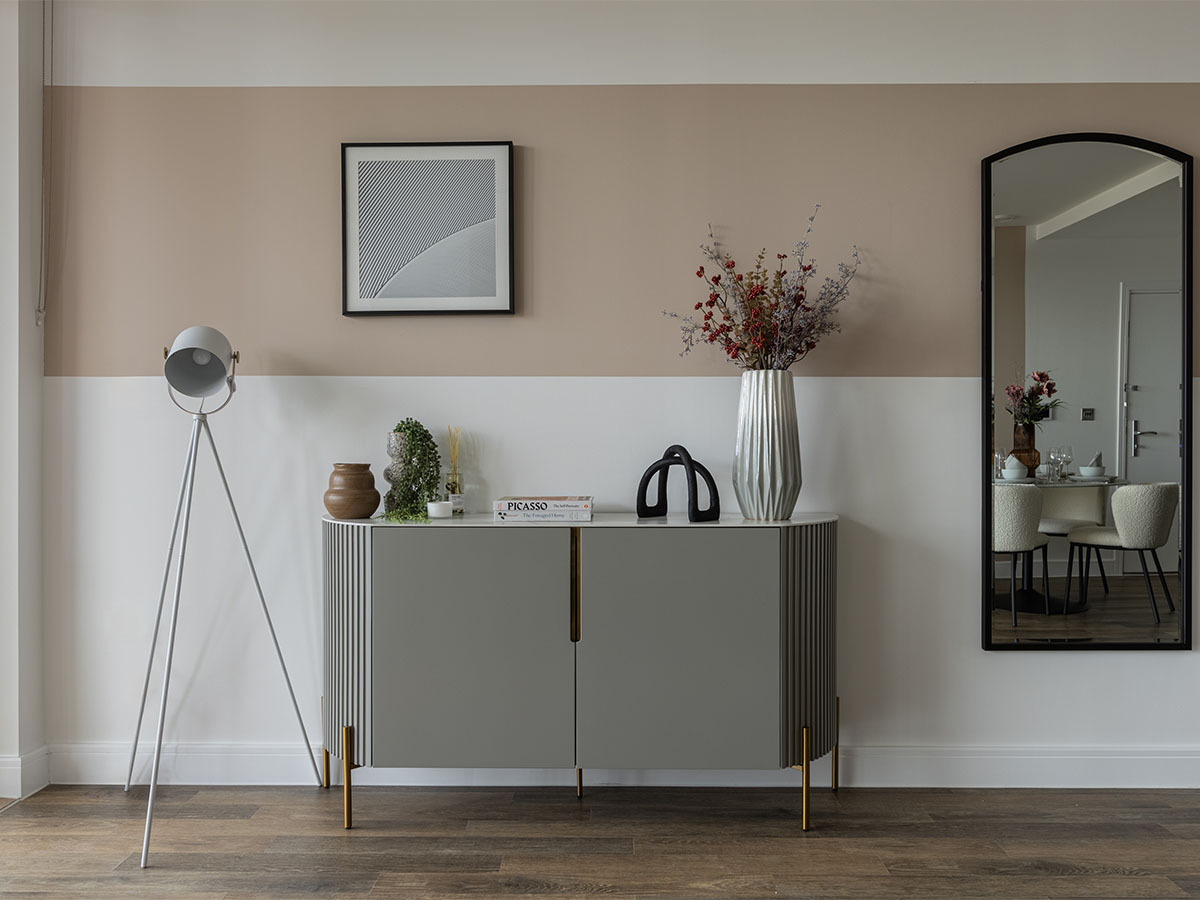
397	444
766	457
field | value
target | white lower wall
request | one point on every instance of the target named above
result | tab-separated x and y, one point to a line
922	704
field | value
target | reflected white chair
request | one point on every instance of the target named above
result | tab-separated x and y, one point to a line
1074	507
1142	519
1016	511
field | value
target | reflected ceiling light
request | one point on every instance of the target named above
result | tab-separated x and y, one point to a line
199	364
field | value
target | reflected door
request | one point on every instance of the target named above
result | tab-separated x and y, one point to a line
1152	415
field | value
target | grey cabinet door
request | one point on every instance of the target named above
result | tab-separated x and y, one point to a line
678	659
472	660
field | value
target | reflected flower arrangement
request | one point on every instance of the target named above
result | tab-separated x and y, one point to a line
1030	405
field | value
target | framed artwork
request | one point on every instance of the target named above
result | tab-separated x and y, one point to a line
427	228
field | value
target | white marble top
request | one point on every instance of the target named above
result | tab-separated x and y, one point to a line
600	520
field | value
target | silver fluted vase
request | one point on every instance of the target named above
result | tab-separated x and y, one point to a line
766	457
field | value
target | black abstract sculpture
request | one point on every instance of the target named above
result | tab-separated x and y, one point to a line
676	455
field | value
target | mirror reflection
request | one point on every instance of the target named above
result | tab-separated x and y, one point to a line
1088	424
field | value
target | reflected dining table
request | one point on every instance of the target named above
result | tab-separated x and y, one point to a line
1029	598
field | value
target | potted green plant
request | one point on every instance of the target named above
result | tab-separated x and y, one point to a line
414	473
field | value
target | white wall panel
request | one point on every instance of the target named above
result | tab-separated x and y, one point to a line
921	702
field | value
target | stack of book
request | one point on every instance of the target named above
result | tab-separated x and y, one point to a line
543	509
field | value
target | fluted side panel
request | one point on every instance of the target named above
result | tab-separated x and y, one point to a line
808	643
347	627
766	455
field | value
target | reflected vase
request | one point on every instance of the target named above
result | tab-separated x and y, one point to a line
1024	449
766	455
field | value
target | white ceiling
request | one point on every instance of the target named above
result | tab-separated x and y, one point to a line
1154	213
353	42
1037	185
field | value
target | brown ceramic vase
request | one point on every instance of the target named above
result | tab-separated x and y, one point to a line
351	493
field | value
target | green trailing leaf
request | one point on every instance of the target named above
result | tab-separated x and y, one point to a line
419	478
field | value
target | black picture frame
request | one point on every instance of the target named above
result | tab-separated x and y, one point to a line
416	210
985	456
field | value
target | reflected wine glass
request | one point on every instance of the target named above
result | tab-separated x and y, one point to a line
1054	458
1066	454
998	459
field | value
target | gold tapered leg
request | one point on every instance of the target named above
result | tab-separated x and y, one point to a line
579	782
837	738
805	758
347	740
324	750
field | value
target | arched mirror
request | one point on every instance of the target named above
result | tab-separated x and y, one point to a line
1087	410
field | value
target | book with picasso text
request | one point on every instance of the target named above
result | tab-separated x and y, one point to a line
543	509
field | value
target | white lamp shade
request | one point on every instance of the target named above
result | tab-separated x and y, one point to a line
199	361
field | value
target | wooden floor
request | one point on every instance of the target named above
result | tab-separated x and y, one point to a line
210	843
1121	615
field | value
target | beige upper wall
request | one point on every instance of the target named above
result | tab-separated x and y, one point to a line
174	206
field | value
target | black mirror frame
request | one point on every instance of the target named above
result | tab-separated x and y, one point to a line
1185	508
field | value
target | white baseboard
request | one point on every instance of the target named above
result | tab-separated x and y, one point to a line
1020	767
106	762
23	775
941	767
10	776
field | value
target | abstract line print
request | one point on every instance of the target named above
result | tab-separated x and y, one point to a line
427	228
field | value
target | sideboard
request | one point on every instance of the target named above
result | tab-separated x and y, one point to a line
616	644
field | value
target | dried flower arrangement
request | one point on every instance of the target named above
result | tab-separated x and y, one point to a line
766	318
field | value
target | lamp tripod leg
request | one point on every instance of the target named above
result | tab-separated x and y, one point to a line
190	480
162	596
262	602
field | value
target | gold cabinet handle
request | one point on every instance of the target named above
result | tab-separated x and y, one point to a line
575	623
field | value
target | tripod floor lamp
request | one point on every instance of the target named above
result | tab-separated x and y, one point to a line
200	364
